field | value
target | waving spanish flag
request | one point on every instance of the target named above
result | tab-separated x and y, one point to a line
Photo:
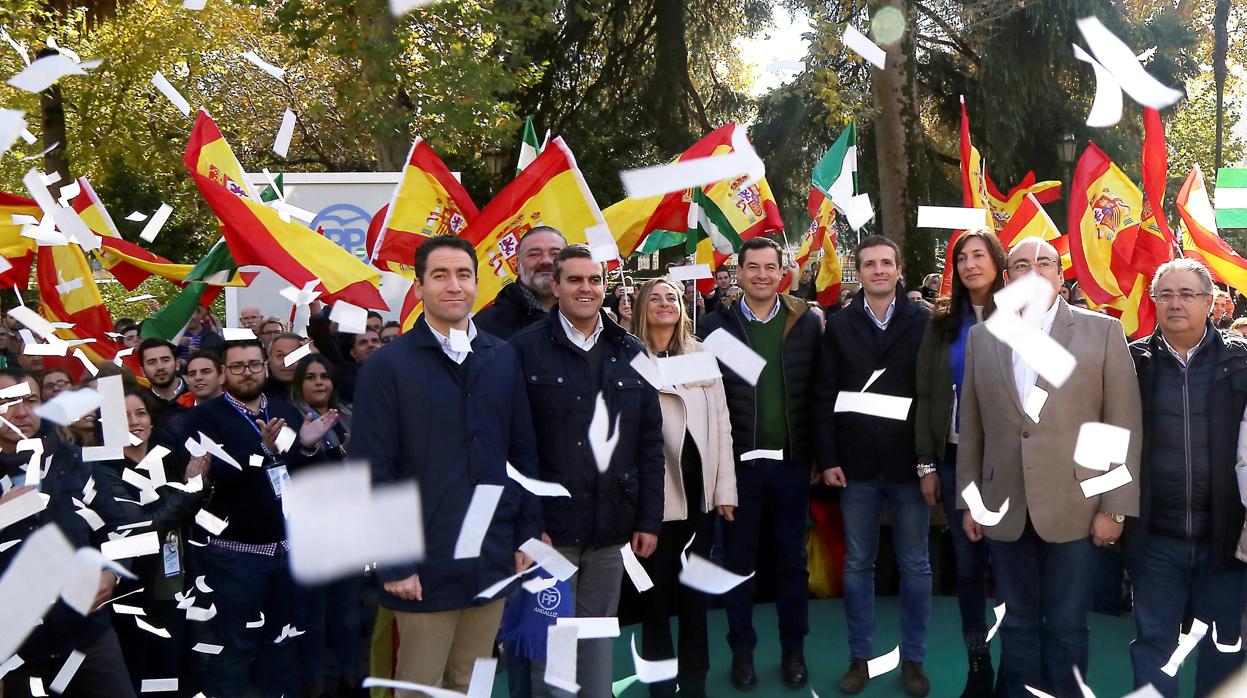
550	191
67	293
17	249
427	201
752	207
256	234
1104	219
822	236
1154	244
1199	234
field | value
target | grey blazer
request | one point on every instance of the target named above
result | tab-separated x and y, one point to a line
1032	463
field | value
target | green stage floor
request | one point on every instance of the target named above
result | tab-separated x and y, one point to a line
826	653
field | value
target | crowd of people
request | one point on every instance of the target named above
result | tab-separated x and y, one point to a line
718	467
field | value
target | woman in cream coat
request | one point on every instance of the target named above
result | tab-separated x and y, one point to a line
700	480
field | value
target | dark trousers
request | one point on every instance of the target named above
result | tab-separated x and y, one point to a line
245	586
1170	576
150	656
664	569
1044	634
102	674
334	622
773	510
969	557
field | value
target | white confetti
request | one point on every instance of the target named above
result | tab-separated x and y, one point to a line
882	665
690	272
1120	60
156	223
653	671
66	674
1101	445
636	572
541	488
705	576
264	65
735	354
210	522
952	217
41	74
860	44
1107	107
1117	477
476	521
171	93
281	144
979	511
600	427
549	559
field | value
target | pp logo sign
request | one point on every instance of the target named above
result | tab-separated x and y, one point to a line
549	599
346	225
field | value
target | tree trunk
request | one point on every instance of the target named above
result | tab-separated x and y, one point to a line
52	121
897	135
1221	40
671	106
388	101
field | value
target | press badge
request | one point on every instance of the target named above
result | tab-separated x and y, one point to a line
279	478
169	551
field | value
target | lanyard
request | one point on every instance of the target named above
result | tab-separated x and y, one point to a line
242	412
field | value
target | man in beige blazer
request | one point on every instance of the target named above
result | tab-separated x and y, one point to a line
1043	549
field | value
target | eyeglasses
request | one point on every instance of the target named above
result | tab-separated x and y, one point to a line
250	367
387	340
1186	297
58	385
1023	266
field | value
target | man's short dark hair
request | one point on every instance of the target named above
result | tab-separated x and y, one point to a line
155	343
205	354
722	269
374	314
17	373
541	229
125	324
576	251
429	246
875	241
760	243
243	344
392	323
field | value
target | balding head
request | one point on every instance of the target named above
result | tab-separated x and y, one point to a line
1033	254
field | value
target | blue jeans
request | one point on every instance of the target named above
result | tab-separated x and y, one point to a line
244	586
1170	575
970	558
774	503
1047	589
861	504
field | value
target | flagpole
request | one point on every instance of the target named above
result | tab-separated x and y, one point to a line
692	259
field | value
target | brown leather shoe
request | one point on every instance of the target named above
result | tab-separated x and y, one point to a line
914	679
854	680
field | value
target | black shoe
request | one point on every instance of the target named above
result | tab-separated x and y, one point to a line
692	685
914	679
744	678
854	680
793	664
980	678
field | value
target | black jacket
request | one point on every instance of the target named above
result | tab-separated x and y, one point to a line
1226	401
604	508
853	349
450	427
514	309
800	358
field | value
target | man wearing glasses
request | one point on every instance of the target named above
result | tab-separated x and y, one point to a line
1017	441
1193	381
246	562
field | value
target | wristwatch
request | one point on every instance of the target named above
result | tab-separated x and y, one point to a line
1117	518
925	469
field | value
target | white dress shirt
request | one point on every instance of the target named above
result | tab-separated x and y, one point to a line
457	356
1023	375
575	337
887	316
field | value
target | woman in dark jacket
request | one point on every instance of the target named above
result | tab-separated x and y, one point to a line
314	390
170	512
980	267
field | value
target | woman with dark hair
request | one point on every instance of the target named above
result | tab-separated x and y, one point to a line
336	616
169	512
980	267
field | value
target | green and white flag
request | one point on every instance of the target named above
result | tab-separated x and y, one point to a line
169	322
1232	197
836	173
529	148
706	220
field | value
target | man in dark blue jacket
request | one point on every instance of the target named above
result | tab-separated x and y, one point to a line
247	562
874	459
569	359
774	415
445	405
1193	385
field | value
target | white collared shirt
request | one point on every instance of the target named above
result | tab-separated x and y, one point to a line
887	317
1185	361
744	308
1023	375
457	356
574	335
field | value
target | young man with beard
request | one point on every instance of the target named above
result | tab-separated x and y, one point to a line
248	565
158	359
520	304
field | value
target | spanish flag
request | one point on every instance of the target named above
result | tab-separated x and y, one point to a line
256	234
1104	219
428	201
550	191
1154	244
67	293
18	250
979	191
753	207
1199	234
1029	220
822	236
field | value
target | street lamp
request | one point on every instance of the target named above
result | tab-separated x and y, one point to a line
1066	148
495	160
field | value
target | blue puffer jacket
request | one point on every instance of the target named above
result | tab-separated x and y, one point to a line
607	508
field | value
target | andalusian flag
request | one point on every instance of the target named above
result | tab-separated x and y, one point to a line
427	201
835	175
661	240
706	221
550	191
1104	220
1154	244
822	236
17	249
256	234
169	321
529	147
979	191
752	208
1232	197
67	293
1199	234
